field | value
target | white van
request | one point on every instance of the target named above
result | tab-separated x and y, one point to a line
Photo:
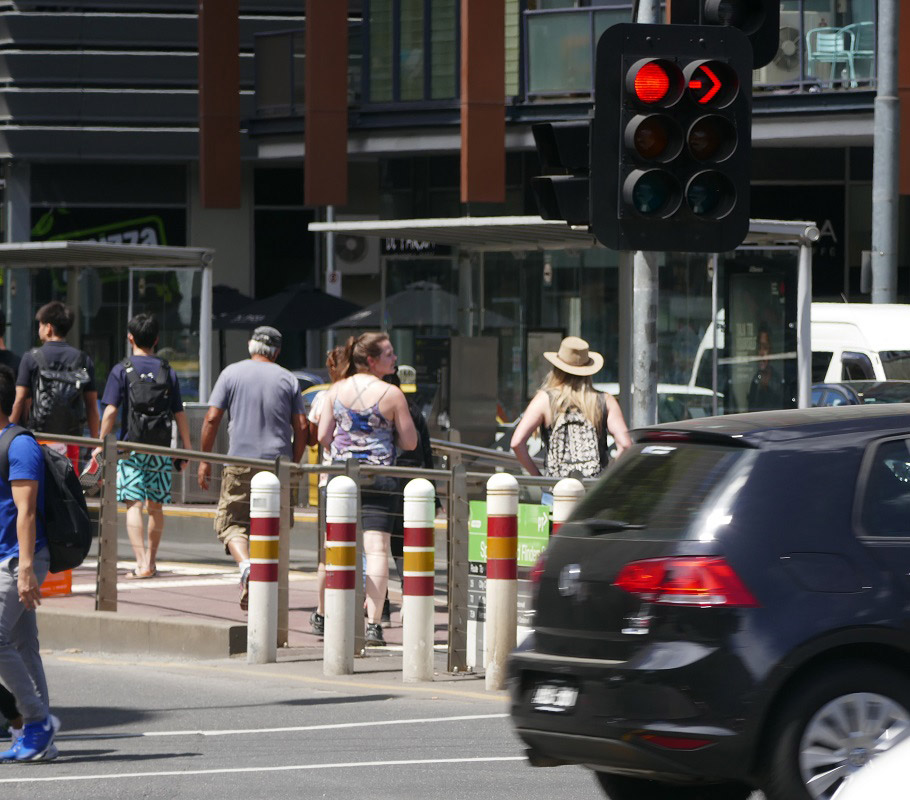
850	341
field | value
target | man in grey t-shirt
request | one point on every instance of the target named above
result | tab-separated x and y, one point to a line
267	419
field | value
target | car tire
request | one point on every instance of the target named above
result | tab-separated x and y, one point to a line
810	720
622	787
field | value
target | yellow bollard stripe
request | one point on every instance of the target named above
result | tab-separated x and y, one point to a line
502	547
264	548
419	562
340	556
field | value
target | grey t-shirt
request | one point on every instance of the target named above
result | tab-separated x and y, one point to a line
260	398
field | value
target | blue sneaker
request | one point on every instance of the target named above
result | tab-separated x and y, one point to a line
37	742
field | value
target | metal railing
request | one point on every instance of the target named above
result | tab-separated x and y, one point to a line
456	487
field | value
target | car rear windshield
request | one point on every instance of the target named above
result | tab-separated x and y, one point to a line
658	490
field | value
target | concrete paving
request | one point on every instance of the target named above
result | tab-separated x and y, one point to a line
191	609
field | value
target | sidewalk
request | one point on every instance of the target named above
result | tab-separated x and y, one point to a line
189	611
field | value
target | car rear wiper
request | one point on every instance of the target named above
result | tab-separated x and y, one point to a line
599	525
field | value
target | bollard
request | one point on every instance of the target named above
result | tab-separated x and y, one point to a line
502	576
262	622
340	575
566	494
419	575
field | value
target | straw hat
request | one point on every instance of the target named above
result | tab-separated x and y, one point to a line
575	358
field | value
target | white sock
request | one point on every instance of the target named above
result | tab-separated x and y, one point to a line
244	566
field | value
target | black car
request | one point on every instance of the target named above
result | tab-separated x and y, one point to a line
728	609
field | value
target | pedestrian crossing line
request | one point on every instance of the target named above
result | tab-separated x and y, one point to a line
415	762
290	729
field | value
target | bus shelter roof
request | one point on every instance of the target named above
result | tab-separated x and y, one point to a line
64	254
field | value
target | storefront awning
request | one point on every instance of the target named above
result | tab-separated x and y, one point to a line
65	254
510	234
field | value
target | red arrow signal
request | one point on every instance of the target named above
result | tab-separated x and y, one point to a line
697	85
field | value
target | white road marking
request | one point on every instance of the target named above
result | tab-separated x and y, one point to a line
287	768
245	731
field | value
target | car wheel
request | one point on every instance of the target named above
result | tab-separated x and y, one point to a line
833	725
621	787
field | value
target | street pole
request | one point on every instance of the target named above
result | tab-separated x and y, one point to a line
643	400
886	151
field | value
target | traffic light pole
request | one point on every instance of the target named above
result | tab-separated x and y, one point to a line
643	397
885	160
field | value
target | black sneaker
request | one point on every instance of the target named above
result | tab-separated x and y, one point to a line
374	636
317	623
386	612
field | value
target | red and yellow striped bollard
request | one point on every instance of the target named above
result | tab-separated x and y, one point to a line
419	574
340	576
262	622
502	576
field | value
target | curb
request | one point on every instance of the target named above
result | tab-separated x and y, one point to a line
112	632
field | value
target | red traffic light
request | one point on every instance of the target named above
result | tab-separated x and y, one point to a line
655	82
712	84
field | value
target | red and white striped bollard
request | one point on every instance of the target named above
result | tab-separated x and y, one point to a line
340	565
502	576
262	621
566	494
419	575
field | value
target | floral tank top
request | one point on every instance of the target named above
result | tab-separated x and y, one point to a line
363	434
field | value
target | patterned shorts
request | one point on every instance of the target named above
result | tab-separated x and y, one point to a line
144	477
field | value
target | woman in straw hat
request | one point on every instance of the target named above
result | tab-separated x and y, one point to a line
573	416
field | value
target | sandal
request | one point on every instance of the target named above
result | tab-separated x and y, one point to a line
133	575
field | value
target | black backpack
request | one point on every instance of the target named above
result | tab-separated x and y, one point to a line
65	517
150	416
58	405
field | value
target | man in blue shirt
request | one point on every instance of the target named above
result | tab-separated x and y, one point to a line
24	562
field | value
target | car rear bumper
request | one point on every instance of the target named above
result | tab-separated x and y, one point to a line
618	707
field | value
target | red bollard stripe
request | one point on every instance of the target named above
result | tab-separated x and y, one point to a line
418	537
341	531
503	569
418	587
264	572
339	579
502	526
264	526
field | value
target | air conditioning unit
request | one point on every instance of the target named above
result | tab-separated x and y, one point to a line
356	255
785	66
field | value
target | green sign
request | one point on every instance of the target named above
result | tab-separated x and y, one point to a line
533	532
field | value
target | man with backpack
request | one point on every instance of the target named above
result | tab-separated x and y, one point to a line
144	388
55	390
24	563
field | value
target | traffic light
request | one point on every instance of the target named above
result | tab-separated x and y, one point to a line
562	190
671	138
758	19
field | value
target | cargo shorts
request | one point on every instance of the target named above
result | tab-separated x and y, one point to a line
232	518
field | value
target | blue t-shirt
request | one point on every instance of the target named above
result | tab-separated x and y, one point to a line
116	390
26	463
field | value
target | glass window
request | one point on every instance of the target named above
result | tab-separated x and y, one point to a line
444	49
886	499
896	364
380	51
411	53
820	363
559	53
857	367
661	487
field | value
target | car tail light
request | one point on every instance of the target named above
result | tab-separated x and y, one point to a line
540	565
695	581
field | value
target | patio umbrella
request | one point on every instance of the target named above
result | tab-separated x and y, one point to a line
421	303
299	307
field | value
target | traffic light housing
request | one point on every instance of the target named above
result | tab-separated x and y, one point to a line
758	19
671	138
562	190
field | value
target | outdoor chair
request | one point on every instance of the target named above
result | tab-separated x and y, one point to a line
831	46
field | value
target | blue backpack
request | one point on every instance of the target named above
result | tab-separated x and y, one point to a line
66	520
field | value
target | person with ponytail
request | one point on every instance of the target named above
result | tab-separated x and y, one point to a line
369	419
573	416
